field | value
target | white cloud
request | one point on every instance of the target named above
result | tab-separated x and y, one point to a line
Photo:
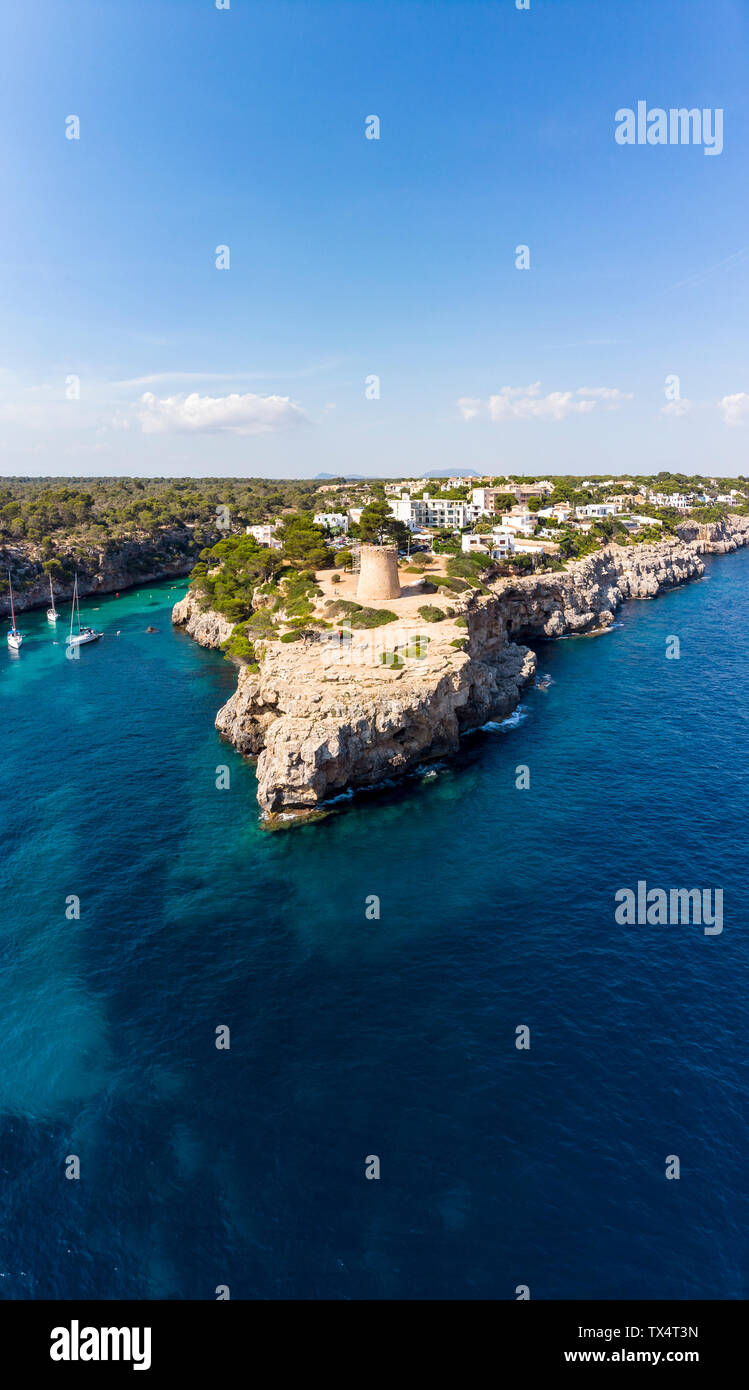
234	414
735	408
556	406
469	407
527	403
675	408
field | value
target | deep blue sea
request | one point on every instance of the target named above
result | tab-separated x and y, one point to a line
393	1037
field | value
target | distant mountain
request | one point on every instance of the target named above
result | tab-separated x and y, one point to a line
330	477
453	473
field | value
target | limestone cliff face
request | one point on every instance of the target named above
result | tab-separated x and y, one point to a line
326	721
584	597
207	628
718	537
324	716
103	568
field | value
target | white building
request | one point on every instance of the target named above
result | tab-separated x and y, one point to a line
522	522
598	509
470	543
499	543
332	521
608	482
634	521
530	547
264	535
682	501
504	541
440	512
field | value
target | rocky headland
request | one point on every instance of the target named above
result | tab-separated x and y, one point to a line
333	712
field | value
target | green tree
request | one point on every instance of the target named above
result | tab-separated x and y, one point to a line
377	523
304	543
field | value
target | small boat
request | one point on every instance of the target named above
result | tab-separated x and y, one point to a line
15	638
52	614
84	634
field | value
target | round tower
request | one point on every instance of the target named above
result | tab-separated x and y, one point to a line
378	575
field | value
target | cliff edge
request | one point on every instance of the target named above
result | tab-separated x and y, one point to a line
343	709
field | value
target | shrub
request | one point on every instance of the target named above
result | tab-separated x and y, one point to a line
239	646
372	617
461	622
292	636
335	607
335	578
260	624
392	660
460	643
453	586
431	614
467	567
416	647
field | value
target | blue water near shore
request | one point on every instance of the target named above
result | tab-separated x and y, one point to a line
395	1037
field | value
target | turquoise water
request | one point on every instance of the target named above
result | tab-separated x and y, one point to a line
395	1037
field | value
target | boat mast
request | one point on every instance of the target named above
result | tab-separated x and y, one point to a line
12	609
72	611
51	595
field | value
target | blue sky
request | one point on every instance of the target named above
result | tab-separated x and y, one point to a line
352	258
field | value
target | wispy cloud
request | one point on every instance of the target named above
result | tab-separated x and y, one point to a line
728	262
175	377
527	402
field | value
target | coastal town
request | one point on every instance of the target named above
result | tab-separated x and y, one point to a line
504	517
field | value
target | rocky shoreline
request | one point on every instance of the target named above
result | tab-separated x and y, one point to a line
324	715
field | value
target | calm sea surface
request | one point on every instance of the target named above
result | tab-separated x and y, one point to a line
396	1037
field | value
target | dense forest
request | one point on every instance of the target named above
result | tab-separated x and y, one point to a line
35	509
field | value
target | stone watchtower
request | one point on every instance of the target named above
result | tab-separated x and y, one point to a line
378	575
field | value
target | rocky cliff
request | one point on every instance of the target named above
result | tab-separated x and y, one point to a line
207	628
103	568
717	537
325	715
322	726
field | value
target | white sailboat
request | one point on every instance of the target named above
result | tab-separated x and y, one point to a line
15	638
52	613
84	634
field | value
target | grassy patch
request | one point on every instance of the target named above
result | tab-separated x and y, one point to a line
372	617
